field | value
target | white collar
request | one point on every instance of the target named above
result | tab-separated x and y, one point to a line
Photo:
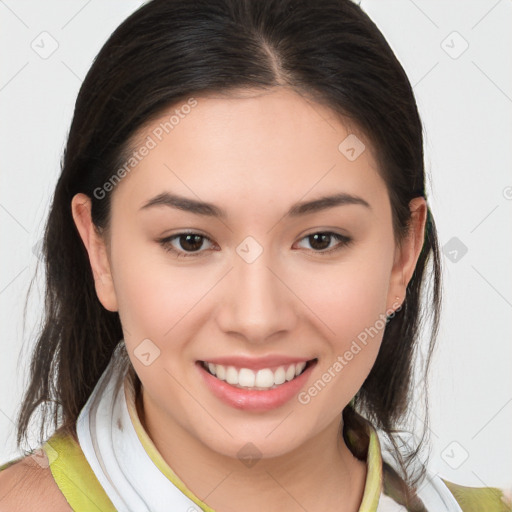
131	478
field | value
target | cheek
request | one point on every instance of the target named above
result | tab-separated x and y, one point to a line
151	298
153	292
348	305
348	296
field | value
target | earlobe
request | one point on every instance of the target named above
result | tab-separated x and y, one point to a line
97	251
407	254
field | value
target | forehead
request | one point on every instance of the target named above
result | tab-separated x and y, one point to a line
275	146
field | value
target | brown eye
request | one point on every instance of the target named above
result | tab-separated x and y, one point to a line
321	241
186	243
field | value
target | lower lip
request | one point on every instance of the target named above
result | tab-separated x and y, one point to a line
251	399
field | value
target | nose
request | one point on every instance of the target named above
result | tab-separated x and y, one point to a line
257	302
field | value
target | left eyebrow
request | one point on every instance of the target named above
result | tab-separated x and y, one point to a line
325	202
211	210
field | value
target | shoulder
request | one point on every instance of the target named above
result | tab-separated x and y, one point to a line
437	493
26	484
474	499
55	477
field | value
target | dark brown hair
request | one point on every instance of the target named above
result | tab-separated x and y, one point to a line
330	52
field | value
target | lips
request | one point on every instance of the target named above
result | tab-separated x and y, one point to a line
266	393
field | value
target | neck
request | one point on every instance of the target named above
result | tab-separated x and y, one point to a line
288	482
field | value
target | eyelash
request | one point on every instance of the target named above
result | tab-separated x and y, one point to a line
166	243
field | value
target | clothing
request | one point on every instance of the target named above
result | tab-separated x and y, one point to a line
115	465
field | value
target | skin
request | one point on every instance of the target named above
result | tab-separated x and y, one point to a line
29	485
254	155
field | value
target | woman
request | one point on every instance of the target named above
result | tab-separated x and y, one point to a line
235	259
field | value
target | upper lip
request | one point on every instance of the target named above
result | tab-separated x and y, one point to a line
257	363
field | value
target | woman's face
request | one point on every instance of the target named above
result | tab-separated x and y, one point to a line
254	288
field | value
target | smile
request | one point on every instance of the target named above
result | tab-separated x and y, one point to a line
255	384
262	379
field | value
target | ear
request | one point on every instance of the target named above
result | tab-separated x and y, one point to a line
97	250
407	254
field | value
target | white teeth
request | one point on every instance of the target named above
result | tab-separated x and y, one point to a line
279	376
220	371
290	373
262	379
231	375
246	378
265	378
299	368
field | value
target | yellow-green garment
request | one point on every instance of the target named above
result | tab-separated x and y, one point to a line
84	493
